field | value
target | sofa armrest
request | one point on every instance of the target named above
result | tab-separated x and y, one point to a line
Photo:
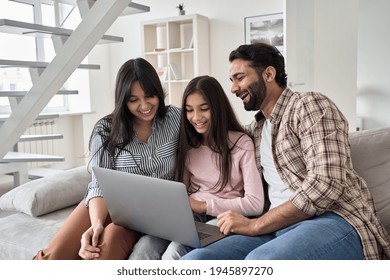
370	151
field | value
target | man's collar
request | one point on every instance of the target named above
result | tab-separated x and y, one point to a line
259	116
276	111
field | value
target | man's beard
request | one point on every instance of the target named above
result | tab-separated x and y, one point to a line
256	92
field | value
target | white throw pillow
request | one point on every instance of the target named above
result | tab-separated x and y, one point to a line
45	195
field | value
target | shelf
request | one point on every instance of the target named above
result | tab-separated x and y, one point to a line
178	48
39	64
181	50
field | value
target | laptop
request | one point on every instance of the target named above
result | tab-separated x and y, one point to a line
153	206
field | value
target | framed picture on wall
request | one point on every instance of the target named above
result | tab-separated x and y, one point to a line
266	29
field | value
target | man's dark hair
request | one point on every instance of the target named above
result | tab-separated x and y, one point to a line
261	56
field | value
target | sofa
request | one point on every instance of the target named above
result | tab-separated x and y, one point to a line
32	213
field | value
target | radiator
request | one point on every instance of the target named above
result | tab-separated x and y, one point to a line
43	147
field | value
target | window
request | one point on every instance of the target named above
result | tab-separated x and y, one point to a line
31	48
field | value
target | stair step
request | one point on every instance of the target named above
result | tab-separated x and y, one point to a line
33	29
39	137
37	173
132	8
4	117
14	93
27	157
135	8
40	64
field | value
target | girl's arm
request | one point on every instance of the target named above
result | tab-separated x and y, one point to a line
251	202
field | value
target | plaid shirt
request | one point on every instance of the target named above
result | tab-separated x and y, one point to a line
312	156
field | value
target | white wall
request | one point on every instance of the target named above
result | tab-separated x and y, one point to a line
226	23
226	26
373	76
321	50
335	51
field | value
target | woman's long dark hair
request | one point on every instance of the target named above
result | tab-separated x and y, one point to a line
121	131
223	120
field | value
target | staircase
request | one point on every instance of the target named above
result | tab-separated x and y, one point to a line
71	47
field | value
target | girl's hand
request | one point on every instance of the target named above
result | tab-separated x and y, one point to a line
89	242
198	206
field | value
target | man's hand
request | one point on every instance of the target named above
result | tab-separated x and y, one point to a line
232	222
279	217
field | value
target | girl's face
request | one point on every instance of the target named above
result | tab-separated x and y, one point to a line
198	113
144	107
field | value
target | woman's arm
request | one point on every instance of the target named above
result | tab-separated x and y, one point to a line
94	201
100	157
90	239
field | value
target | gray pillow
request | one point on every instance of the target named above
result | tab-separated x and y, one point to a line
45	195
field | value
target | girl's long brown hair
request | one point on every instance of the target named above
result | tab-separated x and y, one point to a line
223	120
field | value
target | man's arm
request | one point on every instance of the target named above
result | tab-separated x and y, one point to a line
277	218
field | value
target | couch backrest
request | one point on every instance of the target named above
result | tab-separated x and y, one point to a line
371	159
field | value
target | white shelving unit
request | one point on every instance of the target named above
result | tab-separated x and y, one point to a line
178	47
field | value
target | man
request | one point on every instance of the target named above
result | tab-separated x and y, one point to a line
319	207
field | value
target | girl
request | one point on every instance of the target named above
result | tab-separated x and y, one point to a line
216	159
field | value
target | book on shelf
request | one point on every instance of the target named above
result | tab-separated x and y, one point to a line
176	74
162	73
191	45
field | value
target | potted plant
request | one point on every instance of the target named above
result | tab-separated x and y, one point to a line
181	9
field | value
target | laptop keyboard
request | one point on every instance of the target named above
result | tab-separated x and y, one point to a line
203	235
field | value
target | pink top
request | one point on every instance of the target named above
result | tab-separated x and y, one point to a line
243	193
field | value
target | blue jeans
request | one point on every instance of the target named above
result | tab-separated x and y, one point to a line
324	237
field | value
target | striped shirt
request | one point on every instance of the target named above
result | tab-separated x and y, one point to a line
313	158
155	158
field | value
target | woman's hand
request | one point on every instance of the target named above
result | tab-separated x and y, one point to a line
198	206
89	242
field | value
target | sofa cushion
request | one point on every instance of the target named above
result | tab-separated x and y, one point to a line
23	235
371	159
54	192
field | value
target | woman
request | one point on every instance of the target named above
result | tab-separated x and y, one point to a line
139	136
216	159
